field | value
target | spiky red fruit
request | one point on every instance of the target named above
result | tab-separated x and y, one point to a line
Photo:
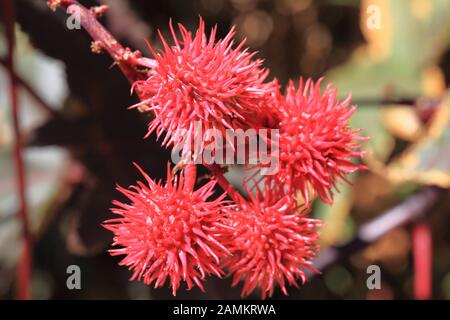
273	242
316	144
200	79
169	231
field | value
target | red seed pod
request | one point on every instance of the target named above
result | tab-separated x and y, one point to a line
317	146
169	231
201	80
271	242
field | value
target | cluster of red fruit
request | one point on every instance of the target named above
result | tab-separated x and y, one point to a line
172	231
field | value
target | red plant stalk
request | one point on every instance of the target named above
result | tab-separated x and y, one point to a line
103	40
422	254
24	269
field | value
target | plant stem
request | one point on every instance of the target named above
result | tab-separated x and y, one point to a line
24	269
190	176
103	40
422	255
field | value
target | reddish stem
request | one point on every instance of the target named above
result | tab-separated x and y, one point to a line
422	254
190	176
103	40
24	269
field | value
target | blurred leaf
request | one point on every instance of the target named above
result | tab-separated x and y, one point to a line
339	280
406	25
338	229
393	63
427	161
5	132
381	142
403	122
386	68
446	286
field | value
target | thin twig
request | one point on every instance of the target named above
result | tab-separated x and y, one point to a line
24	270
127	60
